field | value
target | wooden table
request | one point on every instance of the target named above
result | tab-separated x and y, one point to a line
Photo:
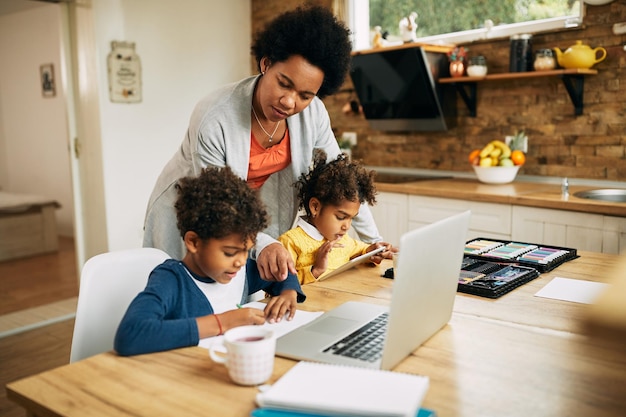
518	355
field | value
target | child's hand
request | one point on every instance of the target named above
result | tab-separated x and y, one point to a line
387	253
241	317
280	305
215	324
321	257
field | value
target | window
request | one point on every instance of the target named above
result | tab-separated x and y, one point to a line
458	21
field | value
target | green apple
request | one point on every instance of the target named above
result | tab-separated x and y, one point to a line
506	162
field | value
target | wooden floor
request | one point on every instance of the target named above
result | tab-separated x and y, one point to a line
30	285
39	280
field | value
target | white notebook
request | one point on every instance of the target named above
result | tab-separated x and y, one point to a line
282	327
346	390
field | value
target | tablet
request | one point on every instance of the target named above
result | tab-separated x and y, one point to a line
351	263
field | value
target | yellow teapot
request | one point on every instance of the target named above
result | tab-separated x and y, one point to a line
579	56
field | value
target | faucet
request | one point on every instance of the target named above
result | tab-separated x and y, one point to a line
565	188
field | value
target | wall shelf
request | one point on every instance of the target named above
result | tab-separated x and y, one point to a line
573	79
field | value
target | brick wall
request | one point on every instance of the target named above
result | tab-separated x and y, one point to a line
592	145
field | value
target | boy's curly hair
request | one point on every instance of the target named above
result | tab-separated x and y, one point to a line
314	33
334	182
218	203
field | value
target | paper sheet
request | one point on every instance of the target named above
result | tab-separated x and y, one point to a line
575	290
283	327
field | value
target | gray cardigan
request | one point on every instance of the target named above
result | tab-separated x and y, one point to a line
219	135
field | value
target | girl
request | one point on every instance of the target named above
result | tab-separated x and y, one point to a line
331	195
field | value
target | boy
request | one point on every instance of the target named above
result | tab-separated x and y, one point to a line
218	216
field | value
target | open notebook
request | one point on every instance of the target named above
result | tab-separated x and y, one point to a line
422	299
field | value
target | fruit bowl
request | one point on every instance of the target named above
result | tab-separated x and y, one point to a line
496	175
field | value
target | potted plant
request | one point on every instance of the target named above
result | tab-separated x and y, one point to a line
457	56
345	146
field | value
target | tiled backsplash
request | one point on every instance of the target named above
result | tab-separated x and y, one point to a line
591	145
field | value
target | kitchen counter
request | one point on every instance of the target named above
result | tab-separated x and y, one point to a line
531	192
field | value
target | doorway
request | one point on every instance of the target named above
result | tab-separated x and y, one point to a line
34	145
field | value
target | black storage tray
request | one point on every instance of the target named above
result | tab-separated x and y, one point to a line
491	279
543	258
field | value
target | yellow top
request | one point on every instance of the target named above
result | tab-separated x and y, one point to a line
303	245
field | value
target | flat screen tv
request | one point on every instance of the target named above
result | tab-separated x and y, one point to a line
398	92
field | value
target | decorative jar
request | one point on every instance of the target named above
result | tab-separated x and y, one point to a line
521	54
544	60
477	66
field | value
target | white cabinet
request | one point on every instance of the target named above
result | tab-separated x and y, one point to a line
488	219
396	213
614	236
583	231
391	215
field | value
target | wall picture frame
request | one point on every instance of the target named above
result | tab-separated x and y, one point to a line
124	71
48	88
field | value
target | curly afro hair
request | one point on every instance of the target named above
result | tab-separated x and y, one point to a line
314	33
335	182
218	203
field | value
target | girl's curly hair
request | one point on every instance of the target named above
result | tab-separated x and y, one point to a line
314	33
335	182
218	203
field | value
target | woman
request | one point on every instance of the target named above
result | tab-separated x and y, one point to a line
265	128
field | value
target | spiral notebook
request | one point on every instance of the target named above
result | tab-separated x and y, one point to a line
346	391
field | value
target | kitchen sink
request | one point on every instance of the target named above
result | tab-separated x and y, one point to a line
605	194
390	178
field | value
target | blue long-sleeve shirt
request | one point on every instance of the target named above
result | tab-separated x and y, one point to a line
163	316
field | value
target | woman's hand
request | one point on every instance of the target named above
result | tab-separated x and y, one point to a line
280	305
275	262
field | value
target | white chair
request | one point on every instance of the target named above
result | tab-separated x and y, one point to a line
108	283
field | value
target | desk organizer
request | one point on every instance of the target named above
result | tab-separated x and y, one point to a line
543	258
491	279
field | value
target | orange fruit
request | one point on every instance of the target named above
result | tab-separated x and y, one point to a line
518	157
474	157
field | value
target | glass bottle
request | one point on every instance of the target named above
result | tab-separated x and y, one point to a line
521	55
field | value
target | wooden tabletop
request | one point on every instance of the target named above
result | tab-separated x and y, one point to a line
517	355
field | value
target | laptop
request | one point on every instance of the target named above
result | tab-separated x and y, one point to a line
423	292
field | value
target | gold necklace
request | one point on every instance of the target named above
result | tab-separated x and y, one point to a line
270	137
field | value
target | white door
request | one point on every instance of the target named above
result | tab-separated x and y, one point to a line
84	127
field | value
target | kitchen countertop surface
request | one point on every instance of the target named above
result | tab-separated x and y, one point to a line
541	192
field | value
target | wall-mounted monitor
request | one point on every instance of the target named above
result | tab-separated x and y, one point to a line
398	91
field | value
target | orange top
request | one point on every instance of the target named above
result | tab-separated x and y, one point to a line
265	162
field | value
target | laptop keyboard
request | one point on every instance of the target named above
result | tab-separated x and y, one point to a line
365	343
